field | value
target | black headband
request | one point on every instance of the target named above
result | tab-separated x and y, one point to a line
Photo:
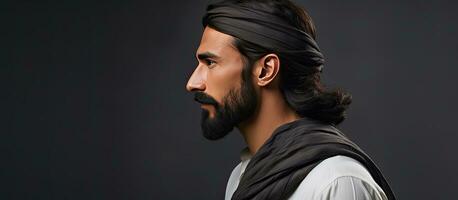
266	30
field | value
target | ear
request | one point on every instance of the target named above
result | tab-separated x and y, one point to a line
267	69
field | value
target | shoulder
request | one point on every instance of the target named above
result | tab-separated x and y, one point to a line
339	177
350	188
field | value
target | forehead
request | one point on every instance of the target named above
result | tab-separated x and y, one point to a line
216	42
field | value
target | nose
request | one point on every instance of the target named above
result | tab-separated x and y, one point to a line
197	80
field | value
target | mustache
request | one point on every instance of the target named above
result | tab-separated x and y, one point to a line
205	98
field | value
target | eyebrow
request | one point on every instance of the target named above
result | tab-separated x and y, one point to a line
205	55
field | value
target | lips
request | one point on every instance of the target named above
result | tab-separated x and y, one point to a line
207	106
205	99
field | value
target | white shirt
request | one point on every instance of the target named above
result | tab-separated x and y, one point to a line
338	177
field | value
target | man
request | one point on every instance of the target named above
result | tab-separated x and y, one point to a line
259	70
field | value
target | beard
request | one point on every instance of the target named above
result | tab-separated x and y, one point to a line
237	106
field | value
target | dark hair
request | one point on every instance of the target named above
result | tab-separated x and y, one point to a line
299	84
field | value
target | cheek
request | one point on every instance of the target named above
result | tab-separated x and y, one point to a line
220	81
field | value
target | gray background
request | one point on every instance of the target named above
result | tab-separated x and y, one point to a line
96	106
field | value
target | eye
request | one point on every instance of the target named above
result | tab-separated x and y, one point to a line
209	62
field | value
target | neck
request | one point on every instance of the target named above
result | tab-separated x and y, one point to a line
271	113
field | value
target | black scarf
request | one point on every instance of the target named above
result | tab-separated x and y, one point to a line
293	150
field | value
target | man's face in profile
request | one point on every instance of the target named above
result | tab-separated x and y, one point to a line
227	99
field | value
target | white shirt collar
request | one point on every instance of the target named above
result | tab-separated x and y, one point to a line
245	154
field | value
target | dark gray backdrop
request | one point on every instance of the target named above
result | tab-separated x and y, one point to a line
96	107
